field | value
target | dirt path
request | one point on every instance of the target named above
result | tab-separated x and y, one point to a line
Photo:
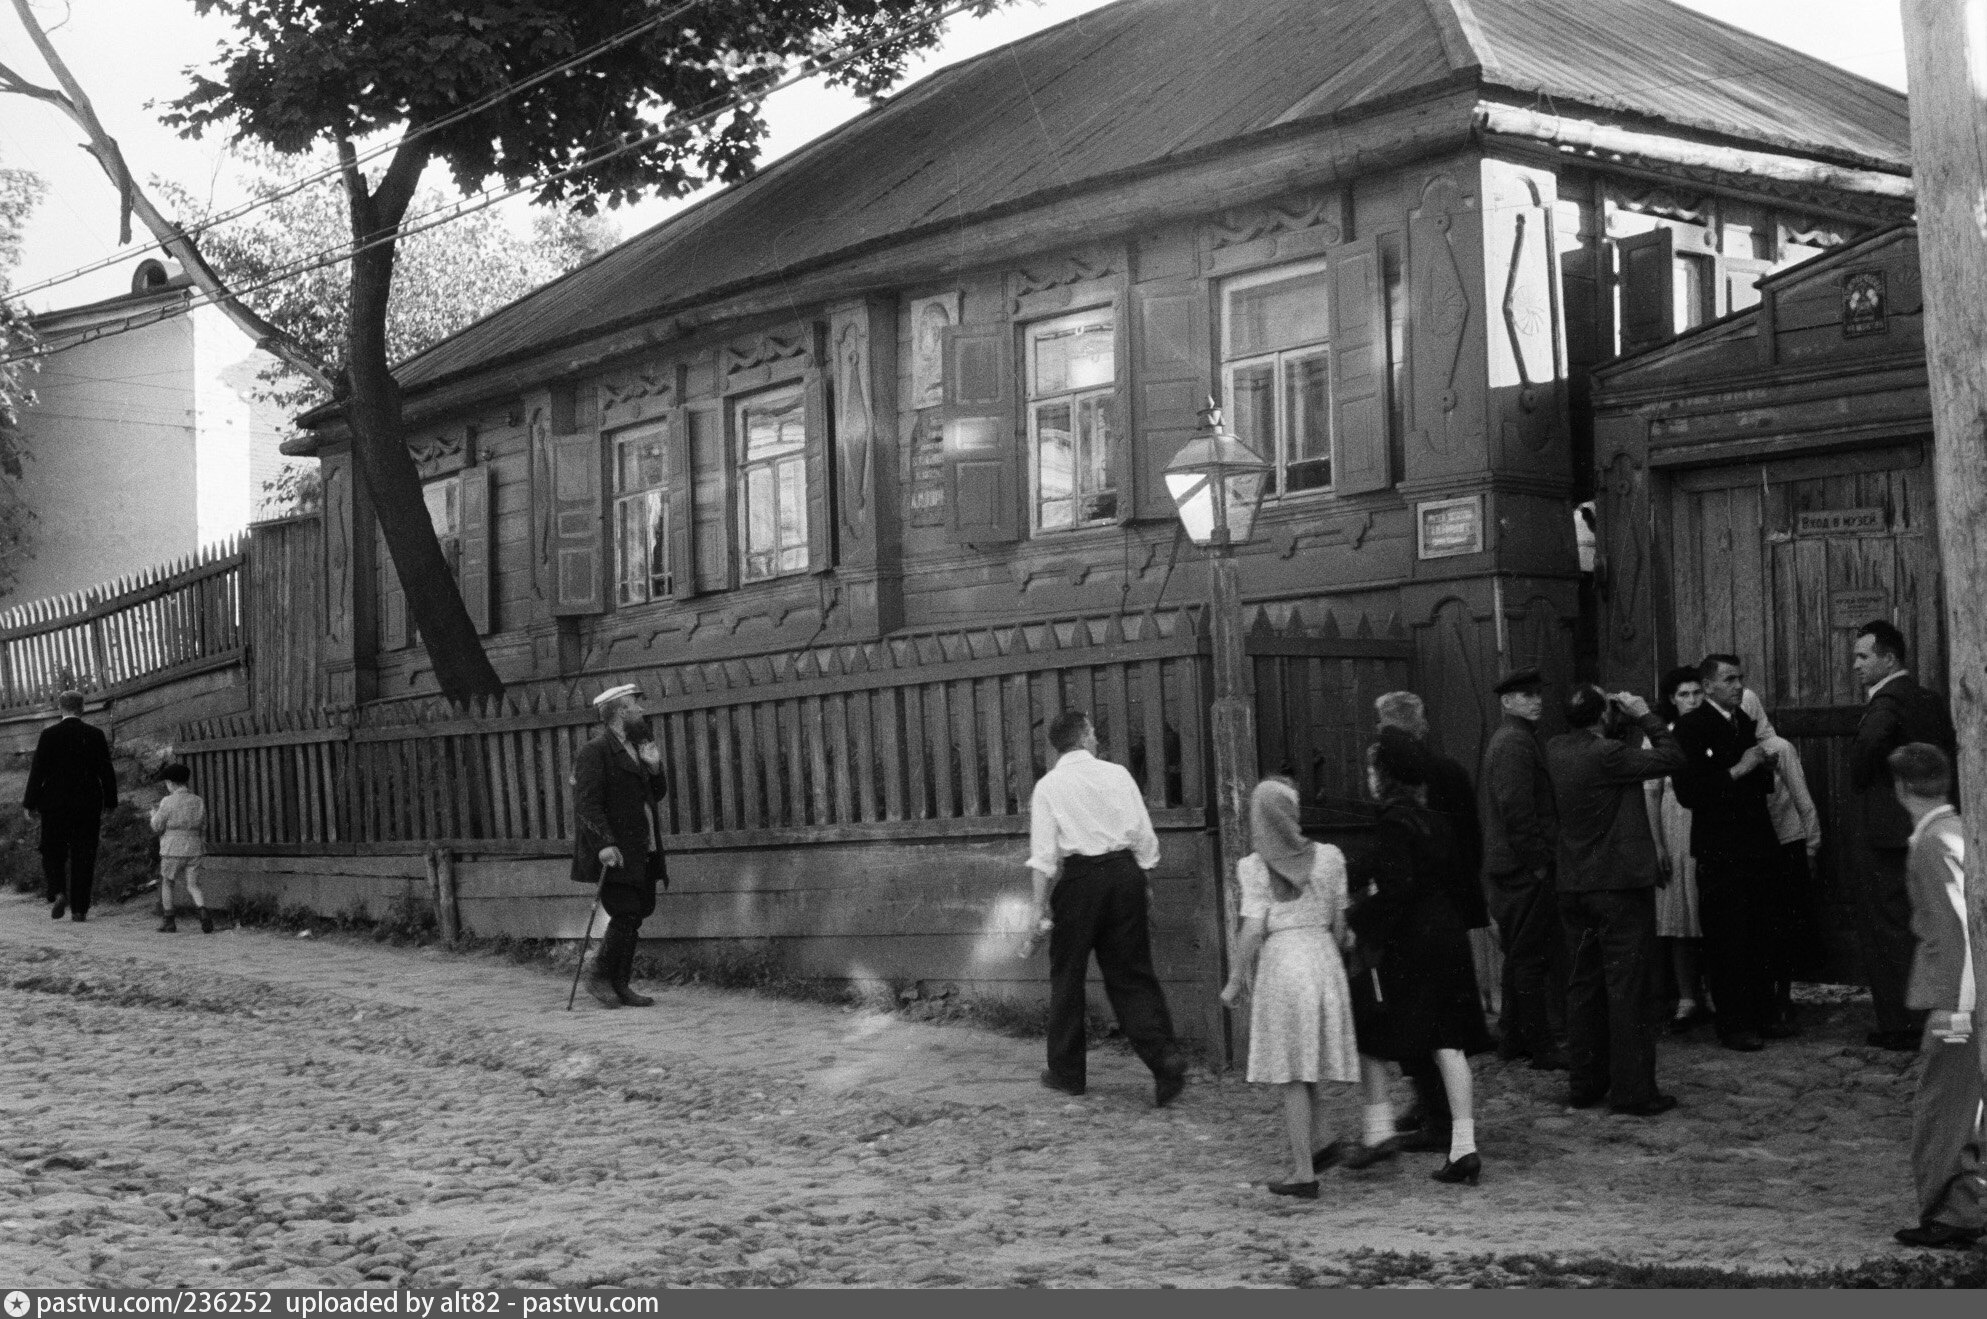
250	1106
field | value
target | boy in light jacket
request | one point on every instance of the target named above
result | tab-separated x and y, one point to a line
180	821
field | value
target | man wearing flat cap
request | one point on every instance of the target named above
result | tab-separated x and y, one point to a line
1520	847
618	784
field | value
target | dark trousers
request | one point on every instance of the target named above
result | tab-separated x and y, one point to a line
1099	906
628	902
1948	1161
1734	894
1883	921
1610	1038
1527	914
1786	916
69	860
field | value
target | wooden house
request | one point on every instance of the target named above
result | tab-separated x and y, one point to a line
858	464
1766	489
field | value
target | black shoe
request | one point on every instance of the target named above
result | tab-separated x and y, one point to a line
1743	1041
628	996
1365	1156
1654	1106
1941	1235
1302	1190
1422	1140
169	926
1897	1041
60	909
1466	1169
1331	1155
206	921
1552	1060
1682	1022
1578	1100
602	990
1054	1082
1166	1086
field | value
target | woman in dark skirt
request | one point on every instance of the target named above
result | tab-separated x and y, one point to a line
1414	996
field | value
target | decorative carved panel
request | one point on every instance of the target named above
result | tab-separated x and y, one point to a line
1658	199
1307	210
336	476
1445	248
438	454
764	350
538	444
855	421
638	392
1047	284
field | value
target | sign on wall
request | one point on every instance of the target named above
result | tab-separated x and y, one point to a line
1865	304
1839	521
1852	609
1448	527
930	319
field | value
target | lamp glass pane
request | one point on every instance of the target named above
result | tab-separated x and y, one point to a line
1193	494
1245	493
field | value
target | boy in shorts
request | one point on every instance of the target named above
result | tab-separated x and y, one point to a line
180	820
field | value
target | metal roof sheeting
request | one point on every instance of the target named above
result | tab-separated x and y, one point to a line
1136	83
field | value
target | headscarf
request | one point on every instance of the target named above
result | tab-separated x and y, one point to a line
1279	840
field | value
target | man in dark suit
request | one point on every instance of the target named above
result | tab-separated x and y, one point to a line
1521	834
1726	782
1607	896
1899	711
618	783
71	783
1948	1148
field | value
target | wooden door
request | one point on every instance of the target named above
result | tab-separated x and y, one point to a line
1780	563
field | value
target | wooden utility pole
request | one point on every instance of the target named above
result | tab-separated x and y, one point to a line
1946	49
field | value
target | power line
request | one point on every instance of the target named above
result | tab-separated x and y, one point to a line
489	197
373	153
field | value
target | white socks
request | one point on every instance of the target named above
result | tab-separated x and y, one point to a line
1462	1138
1379	1123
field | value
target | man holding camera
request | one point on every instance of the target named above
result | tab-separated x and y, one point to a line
618	784
1607	896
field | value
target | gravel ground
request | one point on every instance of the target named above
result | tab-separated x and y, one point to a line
250	1107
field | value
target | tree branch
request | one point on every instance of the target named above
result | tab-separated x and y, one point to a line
75	102
11	81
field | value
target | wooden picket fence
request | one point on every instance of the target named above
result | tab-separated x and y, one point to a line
171	620
938	734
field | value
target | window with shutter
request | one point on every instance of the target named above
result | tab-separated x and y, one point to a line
982	485
1072	373
770	430
1276	372
641	513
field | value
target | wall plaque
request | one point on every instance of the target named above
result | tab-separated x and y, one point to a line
1865	304
1448	527
927	502
1839	521
1852	609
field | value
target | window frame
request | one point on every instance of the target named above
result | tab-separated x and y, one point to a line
620	497
1103	397
736	410
1278	485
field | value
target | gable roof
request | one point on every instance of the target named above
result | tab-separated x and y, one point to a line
1144	82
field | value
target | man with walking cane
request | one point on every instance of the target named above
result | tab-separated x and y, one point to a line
617	836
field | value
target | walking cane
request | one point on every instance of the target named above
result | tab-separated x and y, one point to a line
574	992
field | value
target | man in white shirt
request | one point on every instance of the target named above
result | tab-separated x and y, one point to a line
1088	822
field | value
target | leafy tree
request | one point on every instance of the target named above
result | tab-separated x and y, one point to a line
20	190
444	278
302	73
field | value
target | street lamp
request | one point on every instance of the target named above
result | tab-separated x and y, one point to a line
1217	481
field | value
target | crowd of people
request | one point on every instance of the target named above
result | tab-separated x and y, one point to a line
1689	824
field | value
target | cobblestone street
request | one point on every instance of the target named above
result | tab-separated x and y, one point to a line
252	1107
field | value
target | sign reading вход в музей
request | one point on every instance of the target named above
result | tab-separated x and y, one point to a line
1839	521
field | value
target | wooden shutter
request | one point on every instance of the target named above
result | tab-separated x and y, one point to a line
392	600
578	537
982	457
1171	385
474	574
682	507
820	473
1359	371
1648	298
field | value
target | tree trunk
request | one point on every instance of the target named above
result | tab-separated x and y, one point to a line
1946	46
379	441
380	455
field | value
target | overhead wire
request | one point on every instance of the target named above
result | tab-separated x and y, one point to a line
331	256
295	186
